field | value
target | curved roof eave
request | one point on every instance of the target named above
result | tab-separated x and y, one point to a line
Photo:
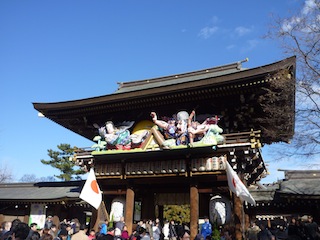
203	77
31	192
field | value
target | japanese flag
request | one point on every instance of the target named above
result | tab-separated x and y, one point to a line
91	192
237	186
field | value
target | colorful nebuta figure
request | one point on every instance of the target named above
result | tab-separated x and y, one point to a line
196	130
175	129
207	132
117	137
213	136
182	126
120	137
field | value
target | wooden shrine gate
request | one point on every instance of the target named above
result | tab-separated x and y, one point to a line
255	107
186	175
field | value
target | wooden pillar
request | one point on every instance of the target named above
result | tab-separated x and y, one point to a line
194	210
129	209
238	217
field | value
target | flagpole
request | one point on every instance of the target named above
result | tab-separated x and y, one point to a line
243	222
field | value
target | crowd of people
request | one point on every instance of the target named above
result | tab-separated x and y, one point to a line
302	228
298	229
74	230
18	230
143	230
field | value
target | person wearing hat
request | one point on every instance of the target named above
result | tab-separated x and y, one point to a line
48	222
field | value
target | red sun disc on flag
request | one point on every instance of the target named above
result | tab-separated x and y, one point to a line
94	186
234	183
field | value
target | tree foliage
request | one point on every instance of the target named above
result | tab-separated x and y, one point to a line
61	161
299	35
277	119
178	213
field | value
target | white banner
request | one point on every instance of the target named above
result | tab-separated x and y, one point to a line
38	214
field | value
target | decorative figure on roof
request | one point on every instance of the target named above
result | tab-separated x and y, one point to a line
100	145
119	136
195	129
175	129
182	126
213	137
184	129
207	132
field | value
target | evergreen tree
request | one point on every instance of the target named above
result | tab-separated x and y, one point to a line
61	160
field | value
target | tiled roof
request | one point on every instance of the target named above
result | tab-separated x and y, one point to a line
310	187
296	187
32	192
266	194
179	78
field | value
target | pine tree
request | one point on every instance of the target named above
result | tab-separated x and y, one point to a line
61	160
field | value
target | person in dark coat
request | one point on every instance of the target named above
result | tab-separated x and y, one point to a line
48	223
15	222
294	230
264	234
312	229
172	231
33	228
20	231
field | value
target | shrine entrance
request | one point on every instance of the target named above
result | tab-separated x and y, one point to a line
145	197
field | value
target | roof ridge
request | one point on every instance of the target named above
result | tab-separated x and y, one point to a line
235	65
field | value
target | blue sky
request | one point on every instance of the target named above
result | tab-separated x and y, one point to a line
54	51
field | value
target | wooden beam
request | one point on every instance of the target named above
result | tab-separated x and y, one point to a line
114	192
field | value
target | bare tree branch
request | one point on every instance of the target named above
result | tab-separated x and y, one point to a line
299	35
5	174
